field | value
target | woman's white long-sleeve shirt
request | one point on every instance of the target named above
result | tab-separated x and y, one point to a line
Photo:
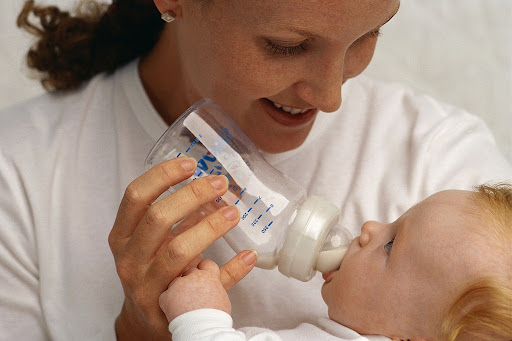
66	159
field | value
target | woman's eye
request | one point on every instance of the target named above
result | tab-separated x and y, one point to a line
372	34
389	245
276	49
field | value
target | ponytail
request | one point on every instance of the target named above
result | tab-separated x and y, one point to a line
71	49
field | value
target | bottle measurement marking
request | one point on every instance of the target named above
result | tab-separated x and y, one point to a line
266	227
236	188
191	145
202	163
258	220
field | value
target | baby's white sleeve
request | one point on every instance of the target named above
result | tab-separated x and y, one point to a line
212	324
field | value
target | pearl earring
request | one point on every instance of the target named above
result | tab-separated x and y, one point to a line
168	16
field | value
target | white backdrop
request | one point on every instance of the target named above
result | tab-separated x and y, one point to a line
457	51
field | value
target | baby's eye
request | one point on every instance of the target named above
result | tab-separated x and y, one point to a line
389	245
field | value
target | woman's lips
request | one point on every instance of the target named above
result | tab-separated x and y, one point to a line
288	119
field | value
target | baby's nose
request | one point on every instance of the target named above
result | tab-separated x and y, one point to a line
367	232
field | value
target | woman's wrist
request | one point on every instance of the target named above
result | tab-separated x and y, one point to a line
127	330
120	326
139	321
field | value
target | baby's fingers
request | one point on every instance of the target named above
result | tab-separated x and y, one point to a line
209	265
237	268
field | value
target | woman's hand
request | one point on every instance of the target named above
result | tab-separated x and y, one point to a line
148	257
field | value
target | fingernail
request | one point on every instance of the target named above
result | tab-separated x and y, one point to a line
230	212
249	257
188	164
217	181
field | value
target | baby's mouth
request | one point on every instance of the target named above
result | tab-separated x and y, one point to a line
328	276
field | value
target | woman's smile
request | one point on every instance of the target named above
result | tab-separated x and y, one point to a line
291	117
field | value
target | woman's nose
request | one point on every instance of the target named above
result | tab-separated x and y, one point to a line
322	86
369	231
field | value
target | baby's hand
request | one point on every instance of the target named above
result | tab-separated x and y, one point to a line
197	288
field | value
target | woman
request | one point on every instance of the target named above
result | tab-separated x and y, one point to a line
122	76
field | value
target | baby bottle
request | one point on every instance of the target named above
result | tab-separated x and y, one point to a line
288	229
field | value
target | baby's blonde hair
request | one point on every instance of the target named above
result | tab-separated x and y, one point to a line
484	309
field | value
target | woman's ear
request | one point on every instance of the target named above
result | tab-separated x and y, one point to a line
173	7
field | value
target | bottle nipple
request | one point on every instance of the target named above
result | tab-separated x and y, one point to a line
314	241
335	246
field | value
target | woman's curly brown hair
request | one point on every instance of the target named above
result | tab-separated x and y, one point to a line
72	48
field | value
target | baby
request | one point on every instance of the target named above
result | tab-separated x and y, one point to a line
442	271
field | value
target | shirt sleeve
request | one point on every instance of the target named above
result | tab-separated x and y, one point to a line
462	152
214	325
20	309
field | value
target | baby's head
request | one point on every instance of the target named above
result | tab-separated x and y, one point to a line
442	271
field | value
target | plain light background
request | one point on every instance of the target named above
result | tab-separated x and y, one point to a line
459	52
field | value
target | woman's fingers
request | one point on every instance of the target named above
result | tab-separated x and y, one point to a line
147	254
187	223
144	190
174	256
237	268
155	225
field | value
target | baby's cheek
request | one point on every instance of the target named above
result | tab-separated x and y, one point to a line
329	295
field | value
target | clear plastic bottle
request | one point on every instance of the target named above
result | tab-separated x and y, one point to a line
299	234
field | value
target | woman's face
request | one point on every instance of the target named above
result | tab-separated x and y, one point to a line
272	65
